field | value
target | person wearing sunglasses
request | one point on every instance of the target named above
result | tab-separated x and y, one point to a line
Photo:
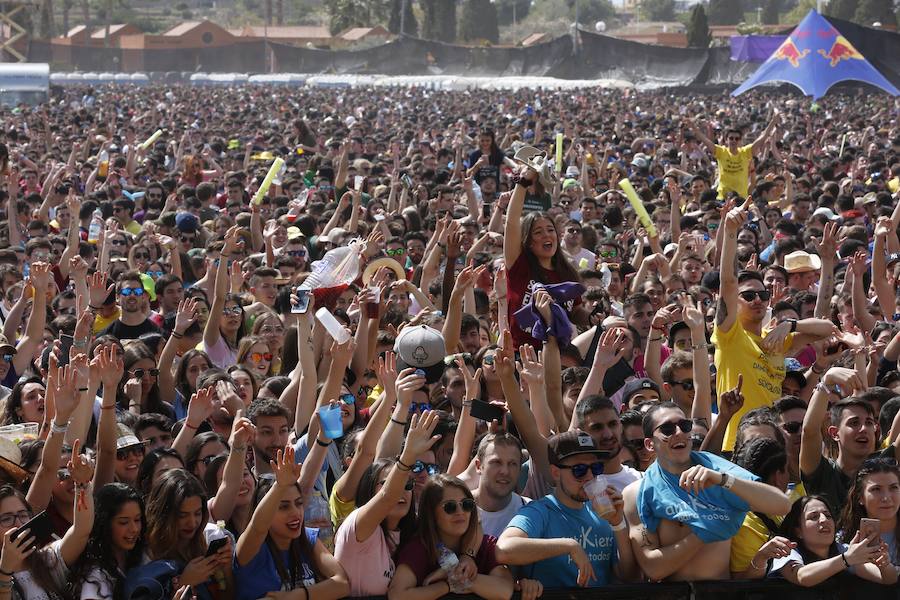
572	241
134	305
742	345
789	413
254	354
448	524
559	539
685	511
733	160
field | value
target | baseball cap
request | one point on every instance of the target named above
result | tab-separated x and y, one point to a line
889	260
421	347
186	222
826	212
5	346
570	443
637	385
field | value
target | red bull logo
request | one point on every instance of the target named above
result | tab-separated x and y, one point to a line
788	51
840	50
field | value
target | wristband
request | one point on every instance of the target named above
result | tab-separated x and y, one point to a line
322	443
54	428
752	564
844	558
727	481
94	308
793	323
401	466
177	335
655	339
701	345
398	422
111	407
817	371
189	426
83	389
622	525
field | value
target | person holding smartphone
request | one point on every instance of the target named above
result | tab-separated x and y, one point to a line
872	506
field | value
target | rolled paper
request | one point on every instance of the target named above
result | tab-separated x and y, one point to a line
267	182
559	145
149	141
638	206
843	139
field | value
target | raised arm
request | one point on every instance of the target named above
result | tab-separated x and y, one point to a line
726	312
301	393
512	231
221	506
211	333
453	322
76	537
200	408
702	406
465	431
34	331
827	249
760	142
111	369
185	316
884	291
817	412
286	471
704	139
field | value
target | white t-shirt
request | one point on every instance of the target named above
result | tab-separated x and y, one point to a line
59	572
97	586
583	254
493	523
621	479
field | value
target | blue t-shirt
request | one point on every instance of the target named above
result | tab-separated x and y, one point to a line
260	576
547	518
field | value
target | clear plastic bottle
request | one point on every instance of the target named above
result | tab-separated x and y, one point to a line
96	227
448	561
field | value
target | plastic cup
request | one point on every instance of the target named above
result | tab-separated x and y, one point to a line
596	491
337	331
330	416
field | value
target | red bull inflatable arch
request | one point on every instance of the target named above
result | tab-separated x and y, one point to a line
815	57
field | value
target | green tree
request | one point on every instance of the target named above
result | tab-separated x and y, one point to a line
479	21
410	26
658	10
842	9
725	12
698	28
505	11
344	14
591	11
874	11
439	22
770	11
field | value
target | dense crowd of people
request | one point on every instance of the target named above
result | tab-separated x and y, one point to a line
445	351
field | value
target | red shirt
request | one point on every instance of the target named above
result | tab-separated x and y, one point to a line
518	293
414	556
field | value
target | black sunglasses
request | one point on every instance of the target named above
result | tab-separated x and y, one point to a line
792	427
668	428
466	504
140	372
687	384
581	469
633	444
749	295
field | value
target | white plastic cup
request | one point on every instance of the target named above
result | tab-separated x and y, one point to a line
337	331
596	491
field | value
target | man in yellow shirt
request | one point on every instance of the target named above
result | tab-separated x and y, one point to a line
742	347
734	160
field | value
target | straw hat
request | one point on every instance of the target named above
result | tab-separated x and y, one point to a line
802	262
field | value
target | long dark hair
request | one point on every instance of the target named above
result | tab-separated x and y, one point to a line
432	497
793	521
37	563
192	454
99	552
299	548
365	491
10	416
181	382
148	465
559	263
853	508
163	505
155	404
242	329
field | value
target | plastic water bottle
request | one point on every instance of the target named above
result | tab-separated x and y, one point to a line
448	561
103	164
96	227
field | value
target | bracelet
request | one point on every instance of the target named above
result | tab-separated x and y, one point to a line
111	407
701	345
82	342
656	339
402	466
54	428
177	335
817	371
83	389
752	564
189	426
6	573
322	443
398	422
467	402
620	526
844	558
727	481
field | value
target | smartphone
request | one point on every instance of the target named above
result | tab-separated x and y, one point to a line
406	180
302	301
38	527
66	346
487	209
485	411
870	527
216	545
358	182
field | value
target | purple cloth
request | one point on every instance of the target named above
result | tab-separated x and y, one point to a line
560	326
754	48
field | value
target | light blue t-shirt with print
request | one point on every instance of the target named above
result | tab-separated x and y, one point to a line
547	518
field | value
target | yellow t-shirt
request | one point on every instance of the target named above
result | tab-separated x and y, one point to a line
734	170
753	534
101	323
339	509
738	352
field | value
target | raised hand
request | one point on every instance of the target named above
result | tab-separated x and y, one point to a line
243	431
40	277
65	397
407	384
342	354
200	407
111	366
500	279
419	438
731	401
611	348
847	380
285	468
472	379
828	245
386	372
734	218
542	302
693	316
531	367
185	315
81	468
98	290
